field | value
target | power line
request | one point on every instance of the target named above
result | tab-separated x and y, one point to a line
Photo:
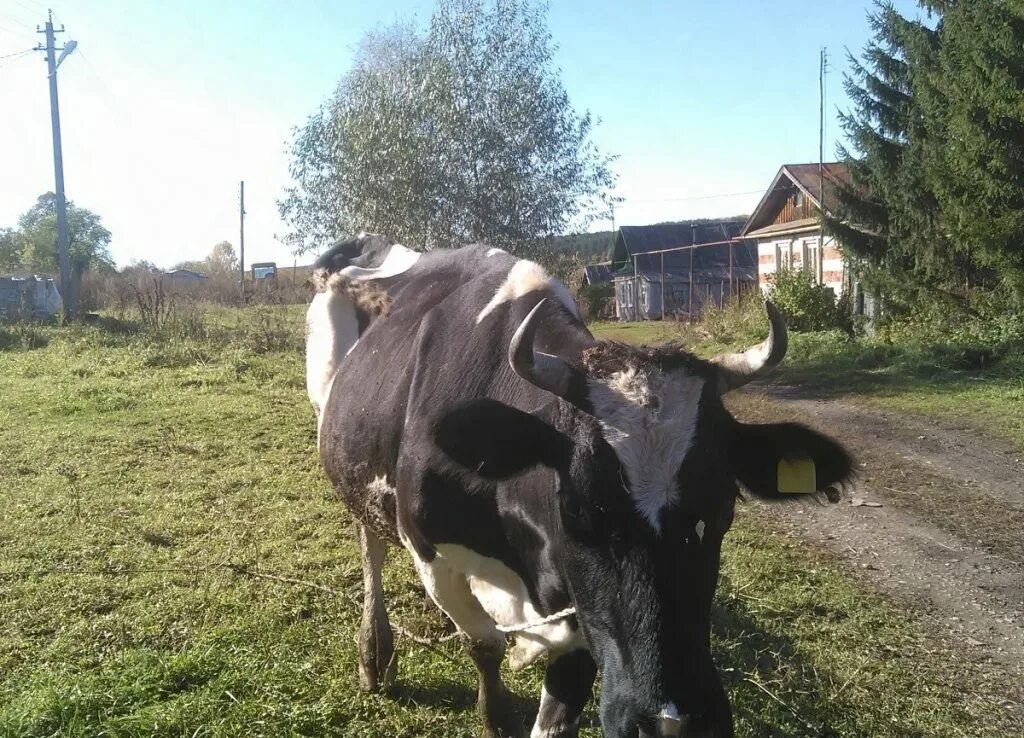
39	7
12	58
16	53
18	21
12	31
691	197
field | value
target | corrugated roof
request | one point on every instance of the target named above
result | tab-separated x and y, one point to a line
644	239
597	273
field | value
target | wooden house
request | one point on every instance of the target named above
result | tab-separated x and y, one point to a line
786	225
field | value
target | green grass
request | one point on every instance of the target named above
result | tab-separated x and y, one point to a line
142	476
649	332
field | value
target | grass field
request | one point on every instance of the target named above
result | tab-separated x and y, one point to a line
172	562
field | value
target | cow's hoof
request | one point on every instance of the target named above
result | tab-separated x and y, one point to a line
511	731
378	664
378	680
502	720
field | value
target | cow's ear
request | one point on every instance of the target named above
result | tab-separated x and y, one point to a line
756	450
497	441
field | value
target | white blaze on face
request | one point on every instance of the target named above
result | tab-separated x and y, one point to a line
650	420
523	278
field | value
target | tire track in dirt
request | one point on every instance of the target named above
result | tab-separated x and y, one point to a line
948	538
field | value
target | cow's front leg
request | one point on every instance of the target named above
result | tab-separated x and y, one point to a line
378	662
451	592
568	682
494	703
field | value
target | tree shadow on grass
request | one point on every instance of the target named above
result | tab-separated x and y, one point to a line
752	660
745	652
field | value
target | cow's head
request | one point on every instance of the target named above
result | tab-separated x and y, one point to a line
647	461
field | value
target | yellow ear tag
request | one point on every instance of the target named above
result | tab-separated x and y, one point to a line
797	477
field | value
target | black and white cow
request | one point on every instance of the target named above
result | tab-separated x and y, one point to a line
571	490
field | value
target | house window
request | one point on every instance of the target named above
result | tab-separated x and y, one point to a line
783	255
799	198
812	257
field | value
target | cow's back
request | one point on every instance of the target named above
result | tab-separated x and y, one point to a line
366	401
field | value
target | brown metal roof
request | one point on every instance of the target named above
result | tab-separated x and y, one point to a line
804	176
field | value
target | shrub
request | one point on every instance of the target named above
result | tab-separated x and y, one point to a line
806	305
595	300
987	318
264	329
739	321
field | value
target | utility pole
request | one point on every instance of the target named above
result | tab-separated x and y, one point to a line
63	257
241	237
822	72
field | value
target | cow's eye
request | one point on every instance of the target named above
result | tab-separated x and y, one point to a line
572	507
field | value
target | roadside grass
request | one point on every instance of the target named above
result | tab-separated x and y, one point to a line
982	387
151	483
961	383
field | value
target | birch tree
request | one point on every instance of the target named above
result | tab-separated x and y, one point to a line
460	132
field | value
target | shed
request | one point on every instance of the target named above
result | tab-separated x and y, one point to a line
597	273
184	277
675	269
32	297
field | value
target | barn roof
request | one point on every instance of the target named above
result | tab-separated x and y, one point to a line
185	273
632	240
711	263
597	273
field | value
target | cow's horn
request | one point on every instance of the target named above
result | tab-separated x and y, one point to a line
735	370
539	369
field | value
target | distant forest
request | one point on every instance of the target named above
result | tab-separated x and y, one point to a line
596	247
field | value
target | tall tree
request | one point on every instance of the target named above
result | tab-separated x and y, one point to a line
462	132
11	246
222	260
88	240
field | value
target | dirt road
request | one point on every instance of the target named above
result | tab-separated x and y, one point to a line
935	519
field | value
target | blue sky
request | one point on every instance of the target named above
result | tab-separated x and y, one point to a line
166	106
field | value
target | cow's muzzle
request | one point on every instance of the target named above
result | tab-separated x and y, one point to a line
670	724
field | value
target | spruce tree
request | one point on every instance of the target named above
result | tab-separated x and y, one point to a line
888	217
977	167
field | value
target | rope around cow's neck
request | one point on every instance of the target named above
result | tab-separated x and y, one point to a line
538	622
